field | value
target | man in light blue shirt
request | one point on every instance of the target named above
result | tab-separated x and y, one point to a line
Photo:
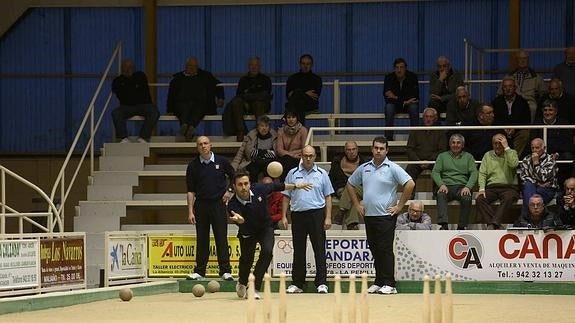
378	179
310	215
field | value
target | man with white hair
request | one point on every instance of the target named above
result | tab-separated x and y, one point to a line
414	218
462	110
455	174
538	174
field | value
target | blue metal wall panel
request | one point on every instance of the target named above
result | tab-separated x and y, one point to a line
543	25
32	108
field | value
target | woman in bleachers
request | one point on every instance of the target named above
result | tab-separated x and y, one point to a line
257	150
291	140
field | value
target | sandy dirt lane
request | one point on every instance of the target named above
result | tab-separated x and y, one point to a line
227	308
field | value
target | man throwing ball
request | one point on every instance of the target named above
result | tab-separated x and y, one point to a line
249	210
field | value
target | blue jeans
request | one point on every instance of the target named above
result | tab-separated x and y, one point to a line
390	110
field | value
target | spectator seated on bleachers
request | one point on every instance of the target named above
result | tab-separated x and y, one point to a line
401	93
479	140
424	145
131	88
303	89
455	174
257	150
253	96
566	202
511	109
462	110
565	101
291	140
192	95
497	181
537	216
342	166
442	84
566	71
538	174
414	218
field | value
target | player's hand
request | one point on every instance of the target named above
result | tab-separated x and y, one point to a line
191	218
327	223
237	218
442	189
360	210
394	210
283	223
227	197
481	193
303	186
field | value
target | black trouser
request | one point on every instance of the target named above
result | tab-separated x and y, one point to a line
380	232
288	162
211	212
265	238
124	112
300	103
303	224
191	112
241	107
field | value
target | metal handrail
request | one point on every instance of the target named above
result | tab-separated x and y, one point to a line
59	183
53	212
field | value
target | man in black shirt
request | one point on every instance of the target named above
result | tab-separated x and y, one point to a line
303	89
193	93
249	209
207	179
401	92
253	95
131	88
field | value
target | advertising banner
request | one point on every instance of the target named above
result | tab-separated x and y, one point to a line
486	255
126	256
62	261
345	255
19	264
175	255
482	255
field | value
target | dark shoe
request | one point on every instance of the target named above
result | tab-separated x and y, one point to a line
461	227
353	226
190	134
443	226
240	137
183	129
338	217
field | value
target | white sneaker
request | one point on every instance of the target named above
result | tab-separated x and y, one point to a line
194	276
373	289
322	289
241	290
293	289
257	295
387	290
125	140
142	140
228	277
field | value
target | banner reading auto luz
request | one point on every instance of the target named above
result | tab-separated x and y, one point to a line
175	255
467	255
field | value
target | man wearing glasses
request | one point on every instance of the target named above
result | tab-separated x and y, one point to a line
310	215
414	218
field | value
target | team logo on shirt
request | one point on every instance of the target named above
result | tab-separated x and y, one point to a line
217	166
465	250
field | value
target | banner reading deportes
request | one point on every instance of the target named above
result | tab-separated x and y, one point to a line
175	255
467	255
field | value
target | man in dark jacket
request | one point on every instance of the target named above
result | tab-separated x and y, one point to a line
192	95
401	92
131	88
303	89
538	216
253	96
341	168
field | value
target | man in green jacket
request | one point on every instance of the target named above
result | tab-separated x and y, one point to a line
455	174
497	181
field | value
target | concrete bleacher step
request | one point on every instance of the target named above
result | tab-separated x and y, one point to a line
109	192
122	163
126	149
158	199
115	178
